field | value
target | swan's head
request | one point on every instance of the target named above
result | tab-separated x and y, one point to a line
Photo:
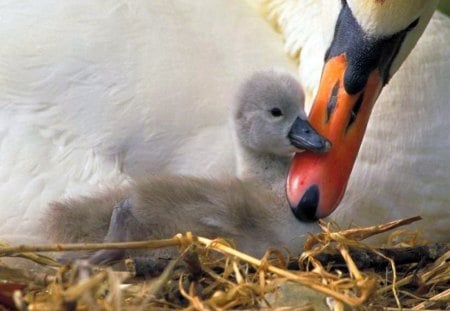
268	116
367	42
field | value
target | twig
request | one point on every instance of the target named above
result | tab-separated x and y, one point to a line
40	259
12	250
366	287
357	234
439	267
366	258
444	296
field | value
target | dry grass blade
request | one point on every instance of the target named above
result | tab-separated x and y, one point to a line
344	239
438	272
75	292
356	234
37	258
365	286
222	278
444	296
178	240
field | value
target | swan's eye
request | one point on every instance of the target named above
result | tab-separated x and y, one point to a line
276	112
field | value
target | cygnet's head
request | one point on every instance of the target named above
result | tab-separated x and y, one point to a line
268	116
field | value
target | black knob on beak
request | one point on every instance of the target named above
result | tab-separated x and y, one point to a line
307	207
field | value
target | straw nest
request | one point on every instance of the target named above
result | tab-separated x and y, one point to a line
335	266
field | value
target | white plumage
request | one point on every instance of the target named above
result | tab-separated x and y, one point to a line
403	167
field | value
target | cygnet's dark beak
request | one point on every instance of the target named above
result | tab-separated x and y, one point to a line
303	136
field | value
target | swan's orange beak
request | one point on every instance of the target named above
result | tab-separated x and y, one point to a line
358	63
316	182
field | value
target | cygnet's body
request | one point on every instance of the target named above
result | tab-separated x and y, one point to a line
269	124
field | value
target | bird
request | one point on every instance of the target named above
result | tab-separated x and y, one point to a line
268	125
94	94
83	85
403	166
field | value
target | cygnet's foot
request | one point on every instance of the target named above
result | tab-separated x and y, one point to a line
150	267
117	232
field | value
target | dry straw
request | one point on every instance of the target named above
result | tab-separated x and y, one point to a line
212	275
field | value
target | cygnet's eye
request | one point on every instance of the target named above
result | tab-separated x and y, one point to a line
276	112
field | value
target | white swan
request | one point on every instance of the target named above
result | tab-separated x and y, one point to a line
268	125
403	166
91	92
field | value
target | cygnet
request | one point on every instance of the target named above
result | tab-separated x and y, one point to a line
268	125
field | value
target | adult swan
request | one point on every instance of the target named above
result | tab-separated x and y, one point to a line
91	92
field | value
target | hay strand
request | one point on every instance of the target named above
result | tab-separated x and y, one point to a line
218	276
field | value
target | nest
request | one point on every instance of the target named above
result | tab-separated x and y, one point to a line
335	270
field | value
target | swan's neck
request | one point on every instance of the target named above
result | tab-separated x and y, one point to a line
268	169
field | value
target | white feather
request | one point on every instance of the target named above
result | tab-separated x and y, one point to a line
92	91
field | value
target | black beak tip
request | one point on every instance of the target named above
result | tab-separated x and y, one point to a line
306	209
303	136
